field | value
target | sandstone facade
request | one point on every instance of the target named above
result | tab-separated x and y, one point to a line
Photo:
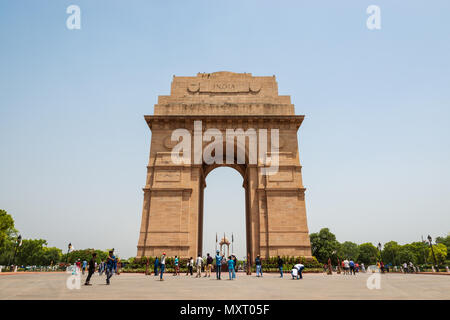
172	215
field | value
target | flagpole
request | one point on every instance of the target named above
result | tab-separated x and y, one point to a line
232	243
224	237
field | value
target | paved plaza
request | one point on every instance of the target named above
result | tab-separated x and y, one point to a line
313	286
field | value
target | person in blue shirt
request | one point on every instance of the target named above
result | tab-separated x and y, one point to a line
84	266
218	264
156	266
110	266
280	266
352	267
176	266
258	266
231	272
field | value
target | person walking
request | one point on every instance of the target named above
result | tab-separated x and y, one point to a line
218	264
91	269
258	266
100	268
118	266
191	266
352	267
162	262
209	261
177	267
405	267
231	271
188	262
346	266
110	266
235	264
84	266
411	267
78	264
280	266
199	266
156	266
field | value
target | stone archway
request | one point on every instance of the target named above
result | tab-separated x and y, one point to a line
241	169
173	195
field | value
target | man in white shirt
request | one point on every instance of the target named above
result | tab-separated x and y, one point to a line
405	268
346	266
199	266
300	268
162	262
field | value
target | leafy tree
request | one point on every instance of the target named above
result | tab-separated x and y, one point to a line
51	256
419	250
348	250
390	253
368	253
407	254
31	252
440	252
323	244
445	241
35	252
7	231
85	254
7	252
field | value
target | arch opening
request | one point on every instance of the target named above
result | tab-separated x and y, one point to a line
224	214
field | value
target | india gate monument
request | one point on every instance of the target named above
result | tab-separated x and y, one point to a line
224	119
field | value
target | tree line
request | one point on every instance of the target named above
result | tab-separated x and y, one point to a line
35	252
323	245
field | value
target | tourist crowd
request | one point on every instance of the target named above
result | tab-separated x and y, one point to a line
219	263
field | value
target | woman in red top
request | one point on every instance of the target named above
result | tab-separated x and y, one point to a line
78	264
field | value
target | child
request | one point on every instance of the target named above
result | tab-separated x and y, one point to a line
231	271
294	273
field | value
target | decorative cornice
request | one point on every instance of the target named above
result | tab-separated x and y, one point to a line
254	120
187	190
302	190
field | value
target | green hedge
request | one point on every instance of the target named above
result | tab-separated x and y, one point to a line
267	264
271	270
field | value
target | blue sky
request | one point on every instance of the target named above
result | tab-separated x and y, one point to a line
374	143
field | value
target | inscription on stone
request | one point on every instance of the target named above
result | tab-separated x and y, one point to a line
220	86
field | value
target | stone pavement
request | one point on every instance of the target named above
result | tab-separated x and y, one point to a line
313	286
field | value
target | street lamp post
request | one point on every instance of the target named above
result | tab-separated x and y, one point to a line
379	249
432	252
19	240
69	246
424	251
